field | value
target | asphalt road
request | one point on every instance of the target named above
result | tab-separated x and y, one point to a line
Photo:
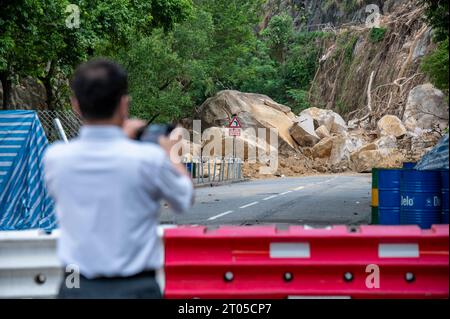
311	200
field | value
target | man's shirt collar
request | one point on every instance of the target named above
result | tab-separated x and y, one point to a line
101	132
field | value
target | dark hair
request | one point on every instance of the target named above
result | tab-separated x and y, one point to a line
98	86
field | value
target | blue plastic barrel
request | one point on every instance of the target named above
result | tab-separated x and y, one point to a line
444	216
190	167
389	196
409	165
420	198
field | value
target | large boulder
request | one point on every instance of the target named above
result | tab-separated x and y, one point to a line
331	120
426	108
343	146
365	160
253	110
386	142
339	125
303	131
368	147
216	142
383	152
390	125
322	132
422	142
323	148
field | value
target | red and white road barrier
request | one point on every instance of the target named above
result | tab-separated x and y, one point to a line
263	262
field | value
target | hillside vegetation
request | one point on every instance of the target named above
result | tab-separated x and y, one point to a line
180	52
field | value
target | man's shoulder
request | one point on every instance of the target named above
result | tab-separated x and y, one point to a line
57	149
126	149
143	151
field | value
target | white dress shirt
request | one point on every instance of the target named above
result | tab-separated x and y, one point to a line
107	190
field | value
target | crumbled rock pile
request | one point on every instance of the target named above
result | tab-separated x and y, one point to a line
319	140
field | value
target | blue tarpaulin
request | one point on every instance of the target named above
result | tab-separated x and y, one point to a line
24	201
437	158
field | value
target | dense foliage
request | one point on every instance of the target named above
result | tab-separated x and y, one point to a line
437	15
180	52
177	52
217	48
436	63
376	34
36	41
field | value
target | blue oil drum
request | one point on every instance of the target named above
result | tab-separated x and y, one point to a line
420	198
389	196
191	167
444	216
409	165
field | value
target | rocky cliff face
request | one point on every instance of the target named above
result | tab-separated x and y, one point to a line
363	72
366	70
28	94
311	14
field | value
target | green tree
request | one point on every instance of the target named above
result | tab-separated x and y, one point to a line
436	66
177	53
193	41
300	99
437	15
278	35
201	55
35	40
18	30
155	73
233	36
261	74
301	63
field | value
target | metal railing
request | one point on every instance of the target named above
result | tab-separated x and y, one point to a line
69	121
217	169
66	124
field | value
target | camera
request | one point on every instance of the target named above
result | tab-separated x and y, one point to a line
152	132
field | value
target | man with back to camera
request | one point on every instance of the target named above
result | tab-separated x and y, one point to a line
107	190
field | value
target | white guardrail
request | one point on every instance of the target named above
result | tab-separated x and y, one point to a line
29	267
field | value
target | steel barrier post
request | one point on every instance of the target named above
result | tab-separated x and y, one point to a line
222	167
239	169
214	169
209	170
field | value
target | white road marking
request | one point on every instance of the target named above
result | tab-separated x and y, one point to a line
248	205
267	198
270	197
220	215
326	181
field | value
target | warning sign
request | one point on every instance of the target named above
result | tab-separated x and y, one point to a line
234	131
234	128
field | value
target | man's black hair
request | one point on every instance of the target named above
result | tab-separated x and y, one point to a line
98	86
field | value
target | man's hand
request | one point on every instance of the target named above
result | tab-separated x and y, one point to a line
167	143
132	126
